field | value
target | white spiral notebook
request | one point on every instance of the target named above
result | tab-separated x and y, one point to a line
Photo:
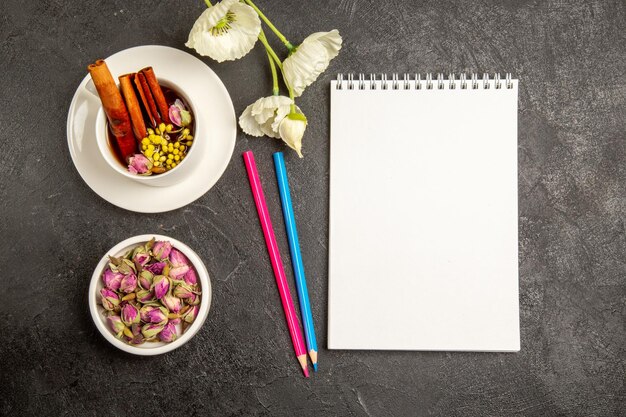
423	249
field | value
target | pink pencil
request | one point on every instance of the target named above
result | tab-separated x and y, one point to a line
277	263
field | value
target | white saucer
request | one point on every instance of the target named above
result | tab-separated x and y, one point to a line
190	74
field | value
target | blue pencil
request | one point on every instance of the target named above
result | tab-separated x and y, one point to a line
296	256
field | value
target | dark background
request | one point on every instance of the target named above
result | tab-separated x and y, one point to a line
570	58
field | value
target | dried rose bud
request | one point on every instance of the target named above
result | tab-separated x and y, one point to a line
127	267
143	313
178	114
145	279
150	330
149	244
114	262
168	334
110	299
136	340
178	272
177	258
135	329
193	300
129	314
173	304
139	164
116	325
129	297
160	285
129	283
156	268
135	337
183	291
157	315
127	332
141	257
190	277
112	279
161	249
191	314
145	296
174	113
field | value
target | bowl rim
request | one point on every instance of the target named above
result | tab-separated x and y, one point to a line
205	303
105	151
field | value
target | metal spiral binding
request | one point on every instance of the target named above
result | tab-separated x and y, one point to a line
428	82
509	81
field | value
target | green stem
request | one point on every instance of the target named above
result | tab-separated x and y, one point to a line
270	51
275	89
270	25
279	64
208	3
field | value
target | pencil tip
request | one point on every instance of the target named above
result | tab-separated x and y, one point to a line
313	356
303	365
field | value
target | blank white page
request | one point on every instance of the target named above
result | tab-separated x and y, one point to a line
423	218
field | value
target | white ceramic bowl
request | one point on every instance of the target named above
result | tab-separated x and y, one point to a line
167	178
151	348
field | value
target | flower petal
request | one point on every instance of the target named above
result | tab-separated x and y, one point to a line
311	58
232	41
280	115
248	123
215	13
174	114
331	41
263	116
291	131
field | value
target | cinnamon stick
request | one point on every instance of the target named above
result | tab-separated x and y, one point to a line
134	110
148	100
157	93
114	108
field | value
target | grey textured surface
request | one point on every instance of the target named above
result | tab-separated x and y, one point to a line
570	58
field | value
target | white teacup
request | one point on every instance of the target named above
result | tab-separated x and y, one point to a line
171	177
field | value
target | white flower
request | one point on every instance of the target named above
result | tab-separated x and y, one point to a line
264	115
310	59
226	31
271	116
291	130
